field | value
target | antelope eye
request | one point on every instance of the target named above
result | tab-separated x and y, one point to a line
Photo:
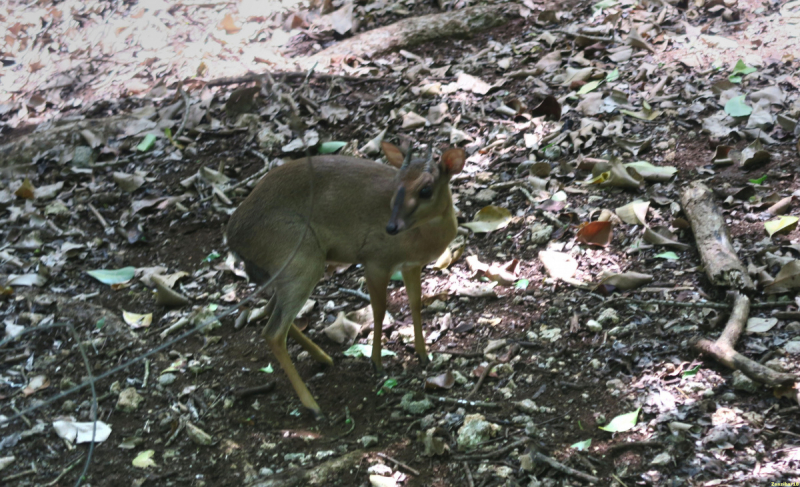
426	192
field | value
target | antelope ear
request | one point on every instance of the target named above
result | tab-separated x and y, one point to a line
393	154
453	160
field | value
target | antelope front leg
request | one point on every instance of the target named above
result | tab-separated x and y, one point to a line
412	277
377	282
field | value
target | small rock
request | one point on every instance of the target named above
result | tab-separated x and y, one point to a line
266	472
615	384
792	347
527	406
197	435
793	327
459	378
540	233
485	196
437	306
322	455
494	345
608	316
594	326
743	383
380	469
526	463
129	400
664	145
475	431
595	364
69	406
381	481
167	379
368	441
296	457
415	407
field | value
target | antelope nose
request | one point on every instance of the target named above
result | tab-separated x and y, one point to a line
392	228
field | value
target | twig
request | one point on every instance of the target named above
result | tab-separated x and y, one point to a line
634	444
463	402
24	418
470	482
250	77
17	476
98	215
252	391
65	471
146	373
181	425
482	378
494	453
186	105
578	34
460	353
563	468
356	293
399	463
723	351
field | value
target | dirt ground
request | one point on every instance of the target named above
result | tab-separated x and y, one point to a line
694	426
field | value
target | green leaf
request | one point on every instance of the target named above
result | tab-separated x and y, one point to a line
100	323
691	372
397	276
582	445
147	143
114	276
759	180
590	86
613	75
211	256
667	255
521	284
736	107
168	132
735	79
144	459
268	369
623	422
387	386
331	146
361	350
742	68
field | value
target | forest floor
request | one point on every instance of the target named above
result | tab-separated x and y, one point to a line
577	324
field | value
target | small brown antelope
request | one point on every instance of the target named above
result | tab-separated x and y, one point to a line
383	217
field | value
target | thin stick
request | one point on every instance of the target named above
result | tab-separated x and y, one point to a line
18	475
24	418
482	378
146	373
65	471
252	391
470	482
98	215
292	74
186	106
356	293
494	453
634	444
399	463
563	468
463	402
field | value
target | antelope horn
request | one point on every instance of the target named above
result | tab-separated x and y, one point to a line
429	159
407	159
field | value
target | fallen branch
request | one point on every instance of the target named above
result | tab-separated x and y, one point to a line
719	258
494	453
620	447
417	30
722	350
536	456
399	464
463	402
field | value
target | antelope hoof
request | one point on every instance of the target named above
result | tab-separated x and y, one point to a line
423	360
378	369
318	416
